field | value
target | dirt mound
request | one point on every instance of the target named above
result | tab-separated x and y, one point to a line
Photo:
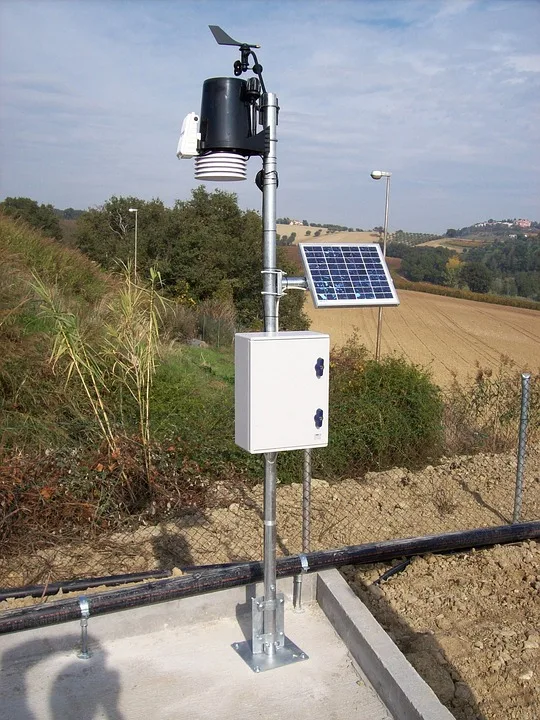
470	625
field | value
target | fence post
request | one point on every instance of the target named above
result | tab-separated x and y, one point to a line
522	445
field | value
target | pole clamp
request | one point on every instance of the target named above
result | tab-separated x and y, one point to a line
279	282
85	607
84	653
304	562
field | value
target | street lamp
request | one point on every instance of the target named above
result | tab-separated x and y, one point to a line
377	175
136	211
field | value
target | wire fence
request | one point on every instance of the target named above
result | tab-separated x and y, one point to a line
461	493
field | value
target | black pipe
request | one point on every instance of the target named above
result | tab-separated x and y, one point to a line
108	580
80	584
198	583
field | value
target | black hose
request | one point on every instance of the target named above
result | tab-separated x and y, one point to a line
198	583
400	567
107	580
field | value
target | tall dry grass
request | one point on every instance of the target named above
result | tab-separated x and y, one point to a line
483	414
115	350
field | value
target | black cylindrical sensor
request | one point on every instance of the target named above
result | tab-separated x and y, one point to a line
225	116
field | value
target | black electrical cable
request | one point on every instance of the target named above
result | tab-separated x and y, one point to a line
393	571
108	580
198	583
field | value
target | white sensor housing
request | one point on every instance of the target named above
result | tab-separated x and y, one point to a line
189	137
220	166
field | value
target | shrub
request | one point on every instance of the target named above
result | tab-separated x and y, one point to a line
382	414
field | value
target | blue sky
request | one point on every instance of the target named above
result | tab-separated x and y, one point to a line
445	95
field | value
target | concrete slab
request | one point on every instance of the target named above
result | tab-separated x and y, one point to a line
176	661
404	692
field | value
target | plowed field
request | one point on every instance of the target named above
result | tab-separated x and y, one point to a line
447	335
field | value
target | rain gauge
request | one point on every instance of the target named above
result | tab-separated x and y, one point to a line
281	378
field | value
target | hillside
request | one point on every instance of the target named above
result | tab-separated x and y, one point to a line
340	236
31	399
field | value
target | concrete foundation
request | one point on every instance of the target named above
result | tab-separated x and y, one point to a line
176	660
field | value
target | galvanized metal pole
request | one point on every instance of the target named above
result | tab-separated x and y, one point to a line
306	526
269	107
522	444
136	244
306	502
380	314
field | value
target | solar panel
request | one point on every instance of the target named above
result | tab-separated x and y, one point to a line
342	275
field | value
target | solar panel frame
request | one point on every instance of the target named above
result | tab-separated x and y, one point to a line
347	275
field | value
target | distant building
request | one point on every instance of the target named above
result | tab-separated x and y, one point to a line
296	222
523	223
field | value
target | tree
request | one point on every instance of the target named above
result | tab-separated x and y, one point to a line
453	271
308	233
451	233
305	223
317	233
477	276
426	264
200	245
42	217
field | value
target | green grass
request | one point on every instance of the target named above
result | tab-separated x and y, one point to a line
192	408
35	408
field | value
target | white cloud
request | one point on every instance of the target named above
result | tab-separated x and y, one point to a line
525	63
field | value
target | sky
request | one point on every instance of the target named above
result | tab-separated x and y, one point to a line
444	94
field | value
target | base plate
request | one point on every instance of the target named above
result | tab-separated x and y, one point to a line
286	655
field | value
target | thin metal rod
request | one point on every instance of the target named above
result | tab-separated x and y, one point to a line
522	445
306	526
380	314
306	502
136	244
269	107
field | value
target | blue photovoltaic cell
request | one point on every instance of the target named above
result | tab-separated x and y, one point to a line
348	275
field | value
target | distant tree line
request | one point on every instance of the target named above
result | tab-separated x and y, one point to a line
499	229
514	264
503	268
408	238
330	227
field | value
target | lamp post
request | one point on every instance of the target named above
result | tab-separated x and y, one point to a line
377	175
136	211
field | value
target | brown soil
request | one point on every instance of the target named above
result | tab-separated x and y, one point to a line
470	625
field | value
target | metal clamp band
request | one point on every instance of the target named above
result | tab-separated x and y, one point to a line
85	607
304	562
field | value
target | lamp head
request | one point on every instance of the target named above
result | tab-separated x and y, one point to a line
133	210
378	174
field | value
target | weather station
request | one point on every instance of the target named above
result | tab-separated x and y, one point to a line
281	378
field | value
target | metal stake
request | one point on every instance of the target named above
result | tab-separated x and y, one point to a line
306	526
522	445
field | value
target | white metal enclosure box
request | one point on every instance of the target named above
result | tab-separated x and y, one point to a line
281	390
